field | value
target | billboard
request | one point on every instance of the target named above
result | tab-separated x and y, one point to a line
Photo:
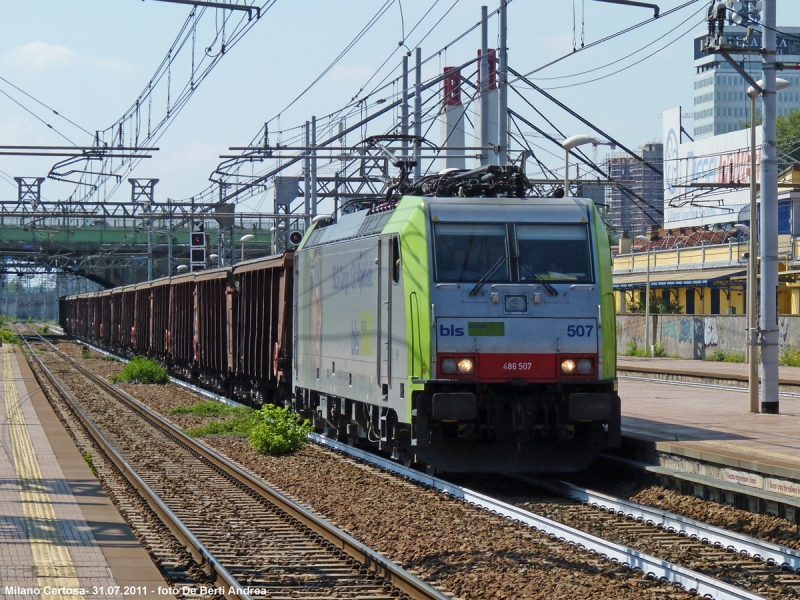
722	159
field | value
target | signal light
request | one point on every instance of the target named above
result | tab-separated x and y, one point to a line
197	247
295	237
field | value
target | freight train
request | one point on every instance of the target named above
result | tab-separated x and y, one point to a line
463	325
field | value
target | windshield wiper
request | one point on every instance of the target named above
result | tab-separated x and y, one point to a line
485	278
550	289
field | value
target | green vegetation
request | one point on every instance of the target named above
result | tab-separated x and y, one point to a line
271	430
790	357
8	337
141	370
657	306
30	320
278	431
634	350
88	458
44	328
211	408
720	355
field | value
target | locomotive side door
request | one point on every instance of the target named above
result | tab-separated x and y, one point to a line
387	272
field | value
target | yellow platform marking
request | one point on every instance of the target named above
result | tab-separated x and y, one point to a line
54	566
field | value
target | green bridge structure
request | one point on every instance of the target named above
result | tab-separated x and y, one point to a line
113	250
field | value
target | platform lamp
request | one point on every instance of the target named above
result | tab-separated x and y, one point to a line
181	268
245	238
214	257
647	241
568	144
752	313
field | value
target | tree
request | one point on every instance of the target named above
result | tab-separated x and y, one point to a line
787	128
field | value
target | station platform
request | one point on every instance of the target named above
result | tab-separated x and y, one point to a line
700	371
59	531
707	435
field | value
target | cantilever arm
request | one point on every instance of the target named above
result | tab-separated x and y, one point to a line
631	3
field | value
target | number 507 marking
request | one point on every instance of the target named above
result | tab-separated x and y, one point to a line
579	330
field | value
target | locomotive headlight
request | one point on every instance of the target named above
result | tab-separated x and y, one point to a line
568	366
466	366
584	366
449	366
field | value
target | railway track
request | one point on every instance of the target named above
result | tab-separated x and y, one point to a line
242	534
698	557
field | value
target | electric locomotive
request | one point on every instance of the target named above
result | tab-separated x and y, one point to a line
465	326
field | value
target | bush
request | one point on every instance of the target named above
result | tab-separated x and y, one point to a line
717	355
45	328
632	349
658	350
277	431
141	370
790	357
8	337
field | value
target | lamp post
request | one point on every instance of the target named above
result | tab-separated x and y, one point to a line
752	293
214	257
181	268
752	302
647	243
243	239
568	144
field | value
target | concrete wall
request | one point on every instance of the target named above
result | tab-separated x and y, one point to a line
35	306
696	336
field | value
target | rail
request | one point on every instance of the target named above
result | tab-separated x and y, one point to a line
766	551
704	585
212	567
380	566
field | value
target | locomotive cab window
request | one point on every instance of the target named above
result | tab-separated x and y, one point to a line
468	252
557	253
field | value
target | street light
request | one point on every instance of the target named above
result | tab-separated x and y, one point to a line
214	257
568	144
752	309
243	239
647	243
752	263
181	268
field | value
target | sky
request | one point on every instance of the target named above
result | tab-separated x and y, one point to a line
90	59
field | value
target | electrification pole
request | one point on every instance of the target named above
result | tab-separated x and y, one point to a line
502	117
306	180
313	170
484	85
404	109
418	112
769	219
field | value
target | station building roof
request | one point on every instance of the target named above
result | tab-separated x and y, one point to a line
720	277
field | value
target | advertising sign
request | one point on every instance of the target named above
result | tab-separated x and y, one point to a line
721	159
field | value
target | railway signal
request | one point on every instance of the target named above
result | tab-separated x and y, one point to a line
197	248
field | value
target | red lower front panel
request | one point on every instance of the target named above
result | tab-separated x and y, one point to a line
505	367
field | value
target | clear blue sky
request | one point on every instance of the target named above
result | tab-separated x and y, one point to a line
89	59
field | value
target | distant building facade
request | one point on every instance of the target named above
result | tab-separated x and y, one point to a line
721	103
625	211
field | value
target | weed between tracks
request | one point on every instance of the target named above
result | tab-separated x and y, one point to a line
271	430
141	370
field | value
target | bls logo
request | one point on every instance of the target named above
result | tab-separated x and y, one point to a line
451	331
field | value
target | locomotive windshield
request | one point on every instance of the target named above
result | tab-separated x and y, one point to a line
554	253
467	252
